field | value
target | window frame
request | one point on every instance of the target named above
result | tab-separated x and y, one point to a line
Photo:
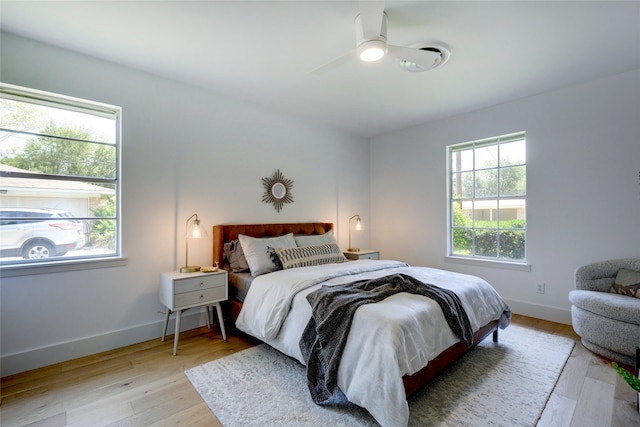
474	259
63	102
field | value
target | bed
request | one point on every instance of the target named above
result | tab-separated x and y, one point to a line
394	348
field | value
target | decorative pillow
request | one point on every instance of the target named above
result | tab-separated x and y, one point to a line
627	283
310	255
315	239
274	257
255	251
234	255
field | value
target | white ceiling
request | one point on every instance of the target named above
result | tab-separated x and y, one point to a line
266	51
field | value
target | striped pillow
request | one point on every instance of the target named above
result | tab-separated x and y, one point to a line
310	255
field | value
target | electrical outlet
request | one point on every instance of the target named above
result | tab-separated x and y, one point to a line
540	288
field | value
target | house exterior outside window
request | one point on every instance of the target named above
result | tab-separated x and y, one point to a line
59	179
487	199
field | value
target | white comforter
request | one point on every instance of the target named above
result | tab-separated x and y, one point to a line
395	337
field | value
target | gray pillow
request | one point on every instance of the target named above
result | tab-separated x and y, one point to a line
234	255
315	240
256	251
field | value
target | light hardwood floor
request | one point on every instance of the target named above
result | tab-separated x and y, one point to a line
144	385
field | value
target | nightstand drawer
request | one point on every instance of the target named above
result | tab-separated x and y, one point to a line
200	283
362	254
197	297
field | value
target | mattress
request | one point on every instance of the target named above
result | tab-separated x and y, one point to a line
239	284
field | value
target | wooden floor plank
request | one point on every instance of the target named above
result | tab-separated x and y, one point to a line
595	406
144	385
58	420
558	412
98	414
197	415
572	379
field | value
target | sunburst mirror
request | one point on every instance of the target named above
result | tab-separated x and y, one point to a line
277	190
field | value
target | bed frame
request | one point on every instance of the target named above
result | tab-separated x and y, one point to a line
412	383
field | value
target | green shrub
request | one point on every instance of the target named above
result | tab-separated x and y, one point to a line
486	243
462	237
511	243
486	235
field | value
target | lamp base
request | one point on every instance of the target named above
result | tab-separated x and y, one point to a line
190	269
353	249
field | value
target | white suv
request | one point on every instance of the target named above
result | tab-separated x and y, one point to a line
39	233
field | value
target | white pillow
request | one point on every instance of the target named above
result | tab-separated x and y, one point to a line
315	240
257	255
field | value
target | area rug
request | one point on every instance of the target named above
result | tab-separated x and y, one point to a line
496	384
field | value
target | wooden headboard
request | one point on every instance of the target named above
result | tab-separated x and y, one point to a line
226	233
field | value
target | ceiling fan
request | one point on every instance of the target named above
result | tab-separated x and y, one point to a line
372	46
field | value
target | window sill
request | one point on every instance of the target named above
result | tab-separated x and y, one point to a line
506	265
60	267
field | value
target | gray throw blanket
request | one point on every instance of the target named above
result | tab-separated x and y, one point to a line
333	307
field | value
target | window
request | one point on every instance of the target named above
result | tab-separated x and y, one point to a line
59	186
487	198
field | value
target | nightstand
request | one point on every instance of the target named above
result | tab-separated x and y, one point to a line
182	291
362	254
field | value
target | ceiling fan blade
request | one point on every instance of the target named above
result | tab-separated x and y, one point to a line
371	13
425	58
335	63
372	27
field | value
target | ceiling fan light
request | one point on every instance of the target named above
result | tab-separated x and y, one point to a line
372	50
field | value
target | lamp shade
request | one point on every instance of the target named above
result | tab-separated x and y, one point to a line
194	230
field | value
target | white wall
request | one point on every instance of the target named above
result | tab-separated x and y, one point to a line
184	151
583	187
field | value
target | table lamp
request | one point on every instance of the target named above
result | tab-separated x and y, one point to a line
358	227
194	231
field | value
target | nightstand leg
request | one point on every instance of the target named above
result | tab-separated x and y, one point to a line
221	321
176	335
208	318
166	323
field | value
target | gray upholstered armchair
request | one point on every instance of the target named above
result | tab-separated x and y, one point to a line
608	323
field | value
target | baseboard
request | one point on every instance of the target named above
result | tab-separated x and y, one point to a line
552	314
44	356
